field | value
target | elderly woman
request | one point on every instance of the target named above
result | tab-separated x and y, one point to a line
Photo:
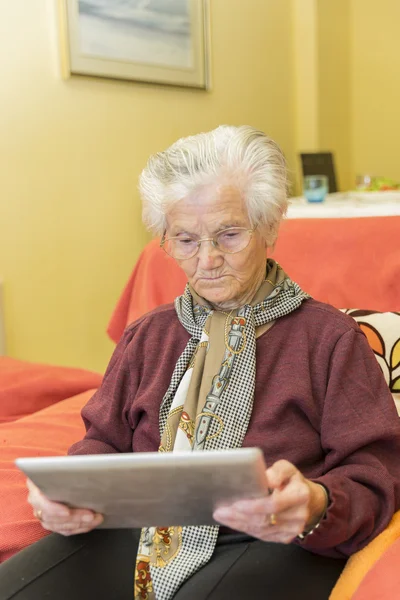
300	382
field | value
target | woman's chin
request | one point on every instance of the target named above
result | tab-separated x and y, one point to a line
214	295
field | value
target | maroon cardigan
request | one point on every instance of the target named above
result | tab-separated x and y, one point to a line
320	402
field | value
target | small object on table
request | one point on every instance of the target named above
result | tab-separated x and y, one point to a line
315	187
367	183
363	181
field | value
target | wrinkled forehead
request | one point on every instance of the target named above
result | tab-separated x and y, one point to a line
211	208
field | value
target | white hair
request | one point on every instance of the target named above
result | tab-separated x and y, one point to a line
240	156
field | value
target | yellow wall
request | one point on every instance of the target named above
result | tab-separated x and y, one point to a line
71	152
359	86
321	46
375	82
334	86
305	50
306	83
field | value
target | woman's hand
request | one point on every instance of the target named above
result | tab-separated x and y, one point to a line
295	505
58	517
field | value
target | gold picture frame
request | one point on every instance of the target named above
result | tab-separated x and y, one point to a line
155	41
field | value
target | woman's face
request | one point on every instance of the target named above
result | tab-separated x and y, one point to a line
225	280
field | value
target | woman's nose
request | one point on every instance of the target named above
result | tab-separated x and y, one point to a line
209	256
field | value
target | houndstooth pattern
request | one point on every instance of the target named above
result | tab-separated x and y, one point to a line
198	542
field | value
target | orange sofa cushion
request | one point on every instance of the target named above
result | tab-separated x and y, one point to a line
48	432
362	563
28	387
382	582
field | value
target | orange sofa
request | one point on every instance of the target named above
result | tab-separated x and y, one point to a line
355	264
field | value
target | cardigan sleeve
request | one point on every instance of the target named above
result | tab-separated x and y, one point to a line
360	435
106	415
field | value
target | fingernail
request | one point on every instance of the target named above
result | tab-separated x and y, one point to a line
87	518
221	513
64	513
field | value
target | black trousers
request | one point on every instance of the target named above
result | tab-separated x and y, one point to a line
100	565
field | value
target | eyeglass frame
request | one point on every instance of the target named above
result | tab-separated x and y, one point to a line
208	239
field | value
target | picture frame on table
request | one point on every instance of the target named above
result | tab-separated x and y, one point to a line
155	41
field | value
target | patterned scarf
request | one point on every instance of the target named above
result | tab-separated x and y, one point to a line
208	406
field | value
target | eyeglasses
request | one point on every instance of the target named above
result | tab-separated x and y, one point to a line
228	241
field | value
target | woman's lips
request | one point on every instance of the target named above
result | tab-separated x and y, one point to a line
211	279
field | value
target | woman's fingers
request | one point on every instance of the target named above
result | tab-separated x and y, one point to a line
295	493
78	522
58	517
287	525
294	512
42	505
76	516
280	473
237	518
288	503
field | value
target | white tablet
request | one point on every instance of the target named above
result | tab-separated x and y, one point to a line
157	488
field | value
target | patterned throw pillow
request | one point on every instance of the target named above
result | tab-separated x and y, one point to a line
383	334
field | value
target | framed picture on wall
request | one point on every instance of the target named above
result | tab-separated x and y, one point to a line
157	41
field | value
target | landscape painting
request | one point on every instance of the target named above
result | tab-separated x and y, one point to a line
162	41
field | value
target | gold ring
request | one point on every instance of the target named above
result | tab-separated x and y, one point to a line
38	514
272	519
